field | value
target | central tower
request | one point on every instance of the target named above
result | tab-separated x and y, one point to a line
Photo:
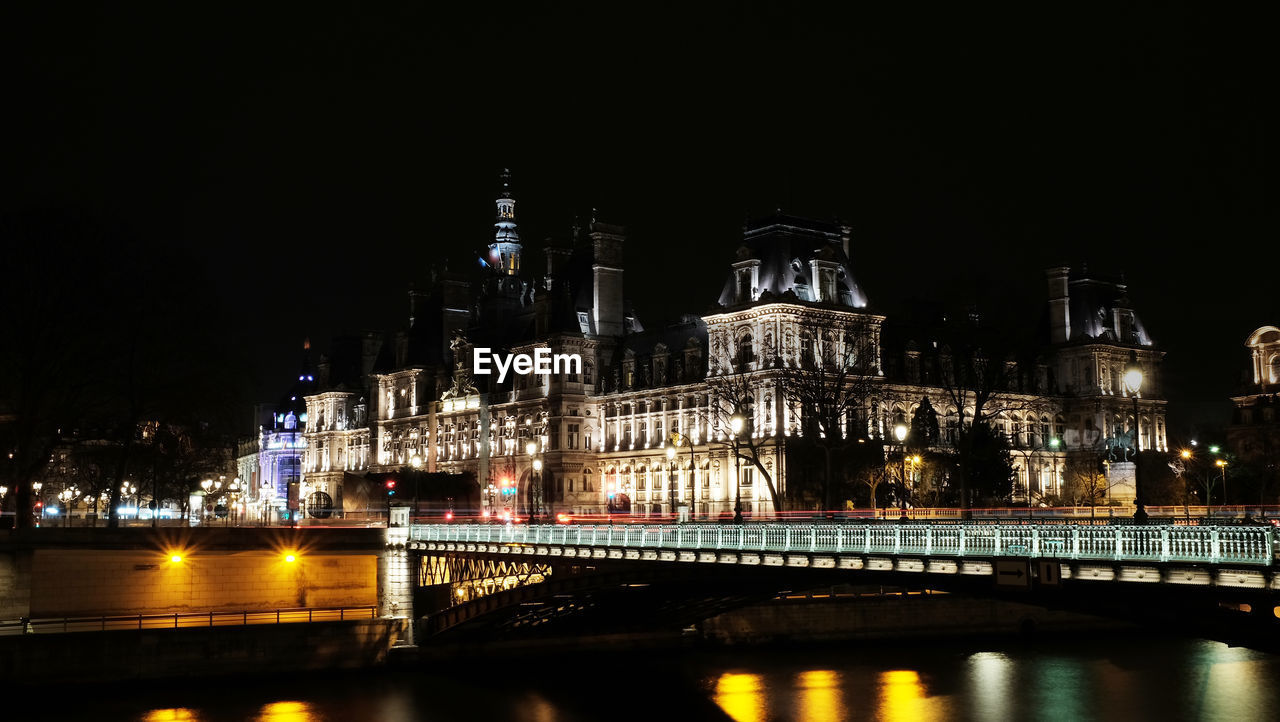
504	252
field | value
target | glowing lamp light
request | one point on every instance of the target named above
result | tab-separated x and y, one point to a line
900	432
448	516
735	424
531	448
175	558
1133	373
1186	453
290	558
671	452
1213	449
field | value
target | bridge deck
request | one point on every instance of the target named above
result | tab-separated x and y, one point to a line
1151	543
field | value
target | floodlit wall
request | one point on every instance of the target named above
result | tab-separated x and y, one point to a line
79	582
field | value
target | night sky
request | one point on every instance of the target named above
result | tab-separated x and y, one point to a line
311	163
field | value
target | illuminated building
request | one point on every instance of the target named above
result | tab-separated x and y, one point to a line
271	470
1254	433
388	402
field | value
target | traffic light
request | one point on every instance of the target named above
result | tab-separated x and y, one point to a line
391	487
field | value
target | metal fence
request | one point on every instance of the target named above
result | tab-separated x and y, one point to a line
179	620
1252	545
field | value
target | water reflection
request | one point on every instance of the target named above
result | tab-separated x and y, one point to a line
741	697
1107	678
820	695
172	714
990	678
902	695
288	711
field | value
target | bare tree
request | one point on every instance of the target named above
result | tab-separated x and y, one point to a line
1085	484
980	377
733	392
829	386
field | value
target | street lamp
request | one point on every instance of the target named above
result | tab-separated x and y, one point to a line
35	491
68	497
900	433
1222	464
678	440
736	423
671	473
235	488
535	497
129	489
1133	382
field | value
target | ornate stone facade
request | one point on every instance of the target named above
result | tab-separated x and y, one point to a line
601	434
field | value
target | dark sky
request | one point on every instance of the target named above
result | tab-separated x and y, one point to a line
313	162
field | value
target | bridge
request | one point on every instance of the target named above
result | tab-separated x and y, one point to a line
502	580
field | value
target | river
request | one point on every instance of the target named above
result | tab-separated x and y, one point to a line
1120	677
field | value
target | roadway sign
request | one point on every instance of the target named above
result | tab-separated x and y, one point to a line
1013	573
1049	574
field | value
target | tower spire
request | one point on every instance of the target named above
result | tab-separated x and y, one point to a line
504	252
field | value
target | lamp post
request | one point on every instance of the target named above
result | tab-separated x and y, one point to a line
1222	464
900	433
735	427
1181	469
671	474
68	497
678	439
1133	381
415	462
129	489
209	486
35	491
235	488
535	496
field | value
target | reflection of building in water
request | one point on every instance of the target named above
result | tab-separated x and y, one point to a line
386	402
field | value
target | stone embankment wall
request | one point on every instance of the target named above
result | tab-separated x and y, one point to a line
89	572
891	616
204	652
68	583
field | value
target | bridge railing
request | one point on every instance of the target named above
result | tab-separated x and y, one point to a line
1164	543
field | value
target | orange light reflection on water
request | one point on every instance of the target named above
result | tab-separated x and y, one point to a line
288	711
820	695
176	714
741	696
902	697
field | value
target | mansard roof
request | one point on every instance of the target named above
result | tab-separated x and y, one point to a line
1093	306
785	245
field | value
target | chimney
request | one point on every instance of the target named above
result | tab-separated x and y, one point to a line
606	245
1059	304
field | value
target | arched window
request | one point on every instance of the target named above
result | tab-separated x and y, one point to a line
746	353
1274	369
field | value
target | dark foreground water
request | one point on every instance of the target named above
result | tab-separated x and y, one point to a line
1122	677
